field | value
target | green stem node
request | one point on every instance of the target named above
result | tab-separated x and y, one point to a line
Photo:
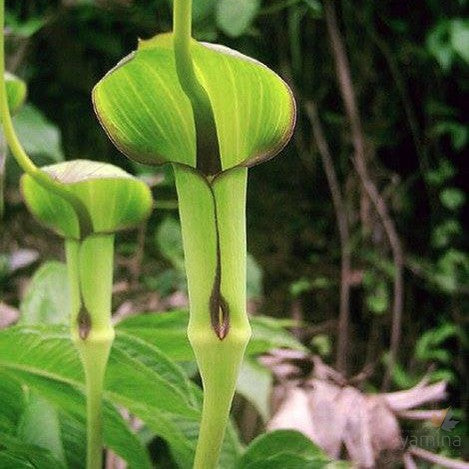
90	269
214	235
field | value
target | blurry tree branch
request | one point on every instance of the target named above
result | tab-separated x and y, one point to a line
409	462
344	234
348	97
437	459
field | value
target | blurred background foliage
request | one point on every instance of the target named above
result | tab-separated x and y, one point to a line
408	63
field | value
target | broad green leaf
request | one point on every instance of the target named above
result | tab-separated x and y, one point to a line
377	299
277	449
46	298
459	31
456	131
10	460
16	92
268	333
254	277
49	364
38	135
169	240
40	426
12	404
114	199
235	16
445	231
201	9
46	302
286	460
149	118
255	383
73	433
71	404
23	27
168	332
21	454
138	378
452	198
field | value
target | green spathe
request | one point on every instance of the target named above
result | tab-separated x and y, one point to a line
146	113
212	113
114	199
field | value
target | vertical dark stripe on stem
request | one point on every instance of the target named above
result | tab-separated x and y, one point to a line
219	309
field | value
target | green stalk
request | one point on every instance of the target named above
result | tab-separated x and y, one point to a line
3	157
90	270
22	158
208	153
214	237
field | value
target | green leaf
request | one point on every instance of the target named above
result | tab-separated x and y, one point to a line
40	426
254	277
114	199
49	364
235	16
430	345
46	302
442	233
73	433
16	92
24	455
441	174
459	31
378	299
321	343
168	331
255	383
452	198
300	286
458	133
21	27
139	378
281	449
438	44
201	9
315	6
38	135
149	118
267	334
46	298
13	402
169	240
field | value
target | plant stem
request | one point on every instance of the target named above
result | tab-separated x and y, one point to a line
208	154
214	237
3	157
90	268
23	160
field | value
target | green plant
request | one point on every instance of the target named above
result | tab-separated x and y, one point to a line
16	94
212	113
85	203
